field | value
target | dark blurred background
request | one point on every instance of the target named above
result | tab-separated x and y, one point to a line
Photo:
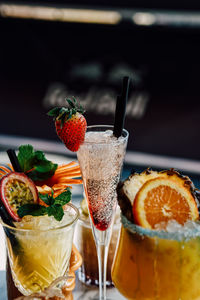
53	49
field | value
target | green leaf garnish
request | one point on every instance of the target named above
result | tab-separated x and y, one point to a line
25	157
31	209
49	200
54	208
54	112
63	198
72	103
35	164
65	113
56	211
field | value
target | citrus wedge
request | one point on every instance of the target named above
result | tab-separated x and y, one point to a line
163	199
84	207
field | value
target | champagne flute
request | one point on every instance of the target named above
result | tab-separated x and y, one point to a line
101	157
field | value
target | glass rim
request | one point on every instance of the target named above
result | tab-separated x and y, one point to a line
76	217
125	138
162	234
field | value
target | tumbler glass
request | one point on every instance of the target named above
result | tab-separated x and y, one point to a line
155	264
38	257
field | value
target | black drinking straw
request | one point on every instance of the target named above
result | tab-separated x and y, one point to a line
14	160
120	110
5	216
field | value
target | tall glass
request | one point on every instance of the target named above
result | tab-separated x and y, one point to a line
84	241
37	257
101	158
158	265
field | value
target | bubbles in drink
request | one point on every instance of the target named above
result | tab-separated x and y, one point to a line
101	157
101	196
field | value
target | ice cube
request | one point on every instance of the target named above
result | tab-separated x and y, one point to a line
191	225
44	222
160	226
174	226
108	133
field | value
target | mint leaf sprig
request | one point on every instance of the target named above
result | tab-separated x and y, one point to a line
54	208
35	164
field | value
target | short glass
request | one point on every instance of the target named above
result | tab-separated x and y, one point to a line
38	257
151	264
84	241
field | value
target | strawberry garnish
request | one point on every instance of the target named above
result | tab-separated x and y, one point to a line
70	124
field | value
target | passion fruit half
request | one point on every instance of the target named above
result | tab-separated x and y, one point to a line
17	189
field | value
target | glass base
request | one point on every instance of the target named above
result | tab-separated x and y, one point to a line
87	280
106	298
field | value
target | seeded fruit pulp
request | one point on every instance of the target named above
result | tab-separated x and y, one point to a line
17	189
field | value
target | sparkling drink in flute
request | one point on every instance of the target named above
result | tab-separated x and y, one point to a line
101	158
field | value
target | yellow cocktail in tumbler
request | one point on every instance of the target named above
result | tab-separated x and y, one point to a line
37	218
39	249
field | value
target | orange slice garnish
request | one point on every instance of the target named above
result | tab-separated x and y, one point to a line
162	199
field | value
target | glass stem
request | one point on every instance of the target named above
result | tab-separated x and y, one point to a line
102	241
102	254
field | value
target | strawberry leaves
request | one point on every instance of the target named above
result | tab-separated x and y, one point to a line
54	112
65	113
35	164
54	208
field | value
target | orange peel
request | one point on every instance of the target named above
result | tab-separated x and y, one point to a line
64	176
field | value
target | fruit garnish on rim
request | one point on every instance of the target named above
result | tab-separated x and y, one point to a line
84	208
160	200
19	191
53	206
152	198
70	124
45	216
35	164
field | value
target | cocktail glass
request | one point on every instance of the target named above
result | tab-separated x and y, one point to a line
101	158
155	264
37	257
84	241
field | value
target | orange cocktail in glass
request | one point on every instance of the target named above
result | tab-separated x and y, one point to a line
158	265
158	255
